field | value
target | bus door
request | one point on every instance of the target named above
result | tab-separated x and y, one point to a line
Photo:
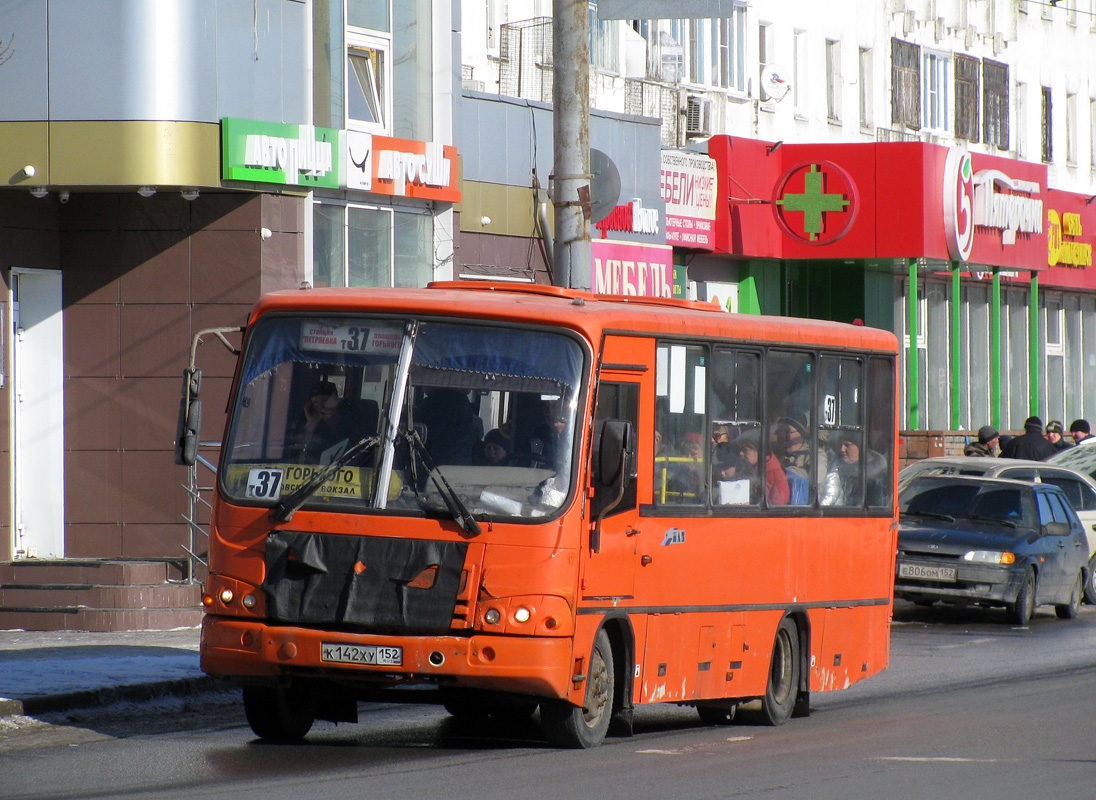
610	565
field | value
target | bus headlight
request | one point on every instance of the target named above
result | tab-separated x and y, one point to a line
545	615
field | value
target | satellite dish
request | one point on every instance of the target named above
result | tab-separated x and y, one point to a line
775	81
604	187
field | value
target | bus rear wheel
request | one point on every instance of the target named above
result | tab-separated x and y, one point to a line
567	726
280	714
780	695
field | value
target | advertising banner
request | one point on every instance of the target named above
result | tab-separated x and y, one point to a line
628	268
689	182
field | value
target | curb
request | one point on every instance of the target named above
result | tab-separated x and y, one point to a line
93	698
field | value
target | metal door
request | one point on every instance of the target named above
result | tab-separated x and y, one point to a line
38	408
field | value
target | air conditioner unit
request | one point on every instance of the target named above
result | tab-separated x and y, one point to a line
472	86
698	116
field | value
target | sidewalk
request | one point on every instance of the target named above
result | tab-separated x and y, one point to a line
57	670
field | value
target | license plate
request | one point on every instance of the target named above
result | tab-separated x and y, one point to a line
371	655
923	573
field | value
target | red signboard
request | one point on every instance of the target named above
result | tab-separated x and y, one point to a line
885	200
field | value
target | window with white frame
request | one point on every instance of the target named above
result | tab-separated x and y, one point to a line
1054	324
604	41
1092	134
494	22
368	65
765	54
866	88
715	51
834	84
936	92
1071	129
799	71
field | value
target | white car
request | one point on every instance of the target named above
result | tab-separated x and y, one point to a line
1062	470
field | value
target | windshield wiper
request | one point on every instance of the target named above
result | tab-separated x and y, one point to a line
283	512
457	509
1008	523
931	514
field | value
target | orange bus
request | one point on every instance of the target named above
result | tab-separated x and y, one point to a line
522	497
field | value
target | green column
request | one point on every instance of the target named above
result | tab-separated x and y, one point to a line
911	353
956	387
995	351
1033	346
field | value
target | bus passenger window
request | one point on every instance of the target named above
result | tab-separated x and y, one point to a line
790	383
682	438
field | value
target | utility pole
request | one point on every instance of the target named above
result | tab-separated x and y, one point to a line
571	144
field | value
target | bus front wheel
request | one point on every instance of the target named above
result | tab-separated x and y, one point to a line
568	726
281	714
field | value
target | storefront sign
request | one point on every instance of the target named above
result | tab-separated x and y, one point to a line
689	182
959	204
630	268
1007	204
815	203
401	167
632	218
270	152
1063	231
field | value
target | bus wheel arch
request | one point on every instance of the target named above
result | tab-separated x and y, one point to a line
622	639
785	694
571	726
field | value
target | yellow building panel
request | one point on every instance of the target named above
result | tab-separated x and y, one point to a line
135	153
24	144
510	209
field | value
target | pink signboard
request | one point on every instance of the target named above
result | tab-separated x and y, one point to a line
630	268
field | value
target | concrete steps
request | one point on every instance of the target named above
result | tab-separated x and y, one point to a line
97	595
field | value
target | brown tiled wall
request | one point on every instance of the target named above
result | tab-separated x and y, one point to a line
140	277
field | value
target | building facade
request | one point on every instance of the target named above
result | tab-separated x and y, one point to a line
166	163
1010	82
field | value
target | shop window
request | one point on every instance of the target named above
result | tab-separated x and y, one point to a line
906	84
360	245
966	98
995	104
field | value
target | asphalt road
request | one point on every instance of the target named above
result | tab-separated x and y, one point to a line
971	707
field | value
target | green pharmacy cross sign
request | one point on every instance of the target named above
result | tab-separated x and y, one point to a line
827	215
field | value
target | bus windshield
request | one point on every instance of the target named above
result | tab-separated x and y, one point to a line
359	414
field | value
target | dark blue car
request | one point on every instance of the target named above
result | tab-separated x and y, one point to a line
990	542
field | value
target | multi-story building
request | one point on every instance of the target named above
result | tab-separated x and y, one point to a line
1000	331
165	163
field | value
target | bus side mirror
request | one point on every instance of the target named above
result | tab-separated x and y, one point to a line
615	443
190	419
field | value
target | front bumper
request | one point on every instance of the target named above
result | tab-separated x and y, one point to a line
985	584
252	650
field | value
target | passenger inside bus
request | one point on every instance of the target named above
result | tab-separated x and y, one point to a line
792	444
777	491
843	486
322	428
496	448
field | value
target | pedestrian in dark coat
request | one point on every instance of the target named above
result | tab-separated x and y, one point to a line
1032	445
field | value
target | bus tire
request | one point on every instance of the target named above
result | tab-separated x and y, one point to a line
281	714
780	695
569	726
